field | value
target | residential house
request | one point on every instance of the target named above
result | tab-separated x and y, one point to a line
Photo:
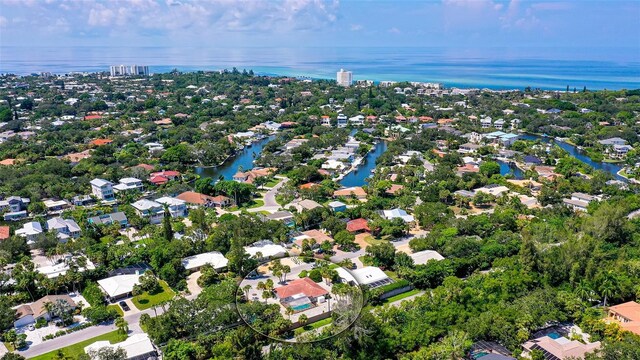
108	219
265	249
5	232
342	121
30	313
136	347
499	124
300	292
83	200
370	276
305	204
149	209
65	228
579	201
486	122
14	204
127	184
119	286
396	213
54	206
493	189
337	206
102	189
30	231
196	262
613	141
61	268
554	346
357	120
317	235
163	177
177	207
358	225
620	151
468	148
285	216
355	191
627	315
422	257
249	176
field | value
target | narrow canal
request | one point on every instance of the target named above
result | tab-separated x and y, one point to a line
243	158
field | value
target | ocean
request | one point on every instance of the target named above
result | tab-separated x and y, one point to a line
494	68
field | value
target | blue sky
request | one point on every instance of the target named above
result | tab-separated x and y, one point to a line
305	23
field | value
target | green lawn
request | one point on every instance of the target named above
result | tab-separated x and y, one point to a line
272	183
146	300
313	326
373	241
117	308
254	204
77	349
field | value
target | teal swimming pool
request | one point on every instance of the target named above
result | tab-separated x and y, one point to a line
301	307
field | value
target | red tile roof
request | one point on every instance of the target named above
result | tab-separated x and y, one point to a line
100	142
304	286
93	117
4	232
358	225
193	197
158	180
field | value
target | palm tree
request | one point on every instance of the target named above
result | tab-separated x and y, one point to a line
607	289
122	325
584	290
246	289
289	311
303	319
266	295
285	270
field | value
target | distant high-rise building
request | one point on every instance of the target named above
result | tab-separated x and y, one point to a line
140	70
344	78
122	70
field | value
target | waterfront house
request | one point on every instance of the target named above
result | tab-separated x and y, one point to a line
249	176
149	209
355	191
613	141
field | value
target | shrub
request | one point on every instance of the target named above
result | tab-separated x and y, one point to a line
315	275
303	274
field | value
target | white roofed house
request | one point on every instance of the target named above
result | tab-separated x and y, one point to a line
56	206
177	207
129	183
30	231
102	189
579	201
149	209
265	249
119	286
65	228
422	257
397	213
136	347
370	276
213	258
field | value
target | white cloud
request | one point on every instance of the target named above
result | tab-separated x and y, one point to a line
3	21
394	30
356	27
